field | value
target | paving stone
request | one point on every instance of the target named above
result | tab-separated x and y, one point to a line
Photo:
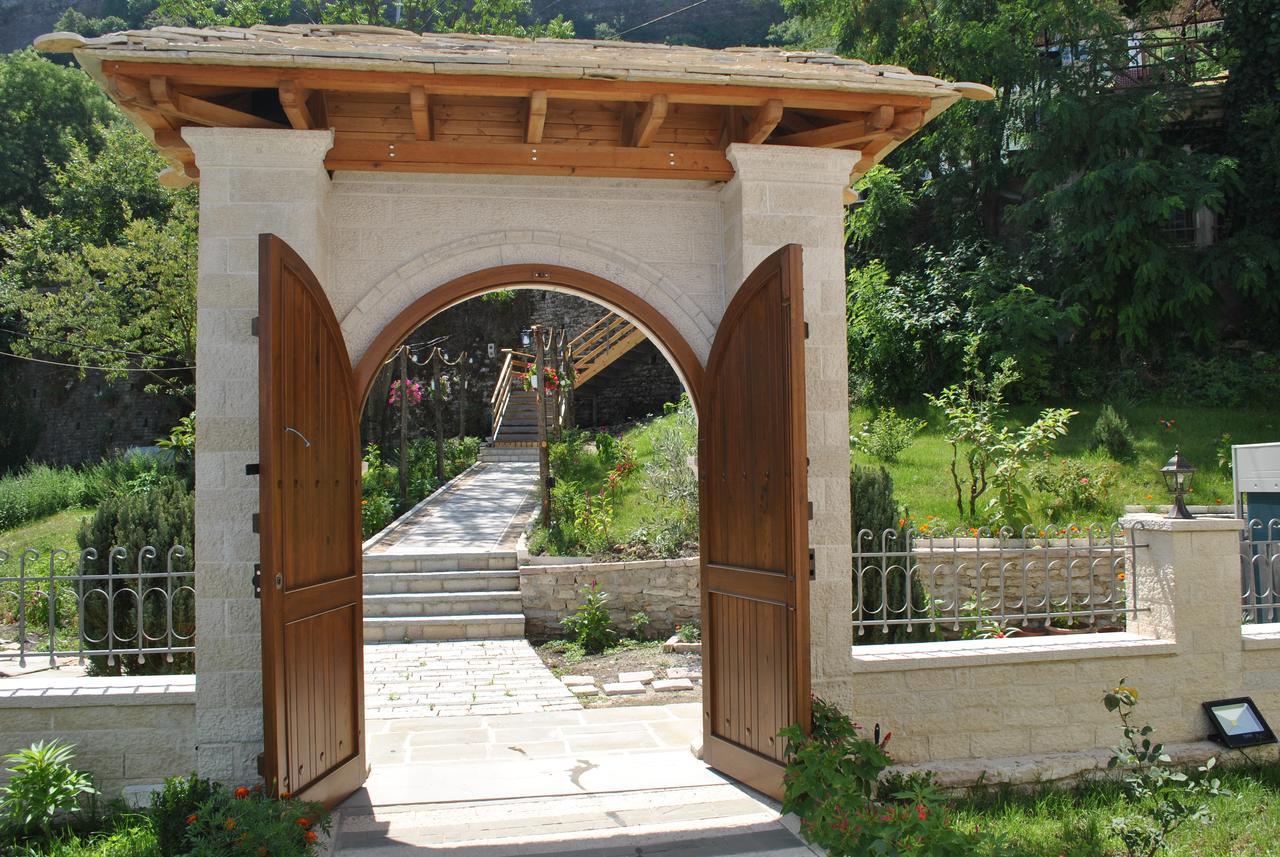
583	689
663	684
642	676
678	672
623	688
577	679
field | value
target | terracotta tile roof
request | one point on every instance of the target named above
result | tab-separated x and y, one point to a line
383	48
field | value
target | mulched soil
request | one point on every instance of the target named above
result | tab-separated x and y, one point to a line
606	666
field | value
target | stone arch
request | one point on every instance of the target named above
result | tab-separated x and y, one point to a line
446	263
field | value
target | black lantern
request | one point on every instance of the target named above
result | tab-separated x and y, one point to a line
526	338
1177	478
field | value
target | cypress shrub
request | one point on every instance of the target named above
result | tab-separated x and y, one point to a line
160	514
1111	432
874	509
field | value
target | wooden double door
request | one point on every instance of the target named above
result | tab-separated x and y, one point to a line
755	559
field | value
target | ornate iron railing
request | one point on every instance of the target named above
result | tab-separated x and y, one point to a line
1260	572
913	585
108	607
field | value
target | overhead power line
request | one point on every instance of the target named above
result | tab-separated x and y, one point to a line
97	348
659	18
154	371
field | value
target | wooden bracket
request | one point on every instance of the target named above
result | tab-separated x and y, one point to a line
765	120
420	107
293	98
537	116
655	112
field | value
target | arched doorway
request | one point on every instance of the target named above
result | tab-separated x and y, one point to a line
752	486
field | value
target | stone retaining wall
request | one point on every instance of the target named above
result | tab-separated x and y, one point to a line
666	590
126	731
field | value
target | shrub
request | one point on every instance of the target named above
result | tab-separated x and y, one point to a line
639	624
832	784
376	511
173	805
38	491
248	823
689	633
42	788
589	624
1161	798
1111	433
886	435
125	473
1071	486
160	516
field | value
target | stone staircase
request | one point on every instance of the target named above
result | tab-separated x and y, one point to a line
442	596
519	423
494	453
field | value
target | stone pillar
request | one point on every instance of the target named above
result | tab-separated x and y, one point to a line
251	181
1187	575
781	195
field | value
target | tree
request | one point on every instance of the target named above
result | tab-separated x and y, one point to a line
44	110
1065	183
107	279
500	17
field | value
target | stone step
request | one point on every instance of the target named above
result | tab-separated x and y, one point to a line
391	582
395	629
430	604
379	563
496	454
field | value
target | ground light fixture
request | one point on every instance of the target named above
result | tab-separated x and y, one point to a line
1177	478
1238	723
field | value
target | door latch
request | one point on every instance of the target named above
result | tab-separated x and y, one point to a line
813	565
257	580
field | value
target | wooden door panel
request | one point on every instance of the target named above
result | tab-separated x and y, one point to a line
752	468
312	631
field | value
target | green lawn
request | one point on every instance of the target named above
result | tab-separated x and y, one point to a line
922	479
56	531
1074	823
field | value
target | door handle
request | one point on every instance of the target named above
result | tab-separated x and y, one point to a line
306	443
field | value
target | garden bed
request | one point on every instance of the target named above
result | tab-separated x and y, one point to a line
567	659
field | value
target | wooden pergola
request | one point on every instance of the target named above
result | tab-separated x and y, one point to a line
405	102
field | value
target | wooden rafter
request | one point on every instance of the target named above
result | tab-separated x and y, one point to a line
828	137
293	98
650	121
570	89
177	105
420	108
766	119
537	116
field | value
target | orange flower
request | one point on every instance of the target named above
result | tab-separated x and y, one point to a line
285	795
1119	575
303	821
242	793
229	824
191	819
310	836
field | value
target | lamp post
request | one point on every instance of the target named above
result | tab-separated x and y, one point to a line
1177	478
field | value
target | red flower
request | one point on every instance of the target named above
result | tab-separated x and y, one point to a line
242	793
310	836
191	819
303	821
920	811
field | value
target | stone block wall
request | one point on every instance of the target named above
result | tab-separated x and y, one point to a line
126	731
666	590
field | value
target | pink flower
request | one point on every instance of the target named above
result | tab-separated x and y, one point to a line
1084	480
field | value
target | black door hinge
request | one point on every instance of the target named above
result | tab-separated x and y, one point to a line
255	522
806	330
257	580
252	469
810	510
813	565
253	326
262	764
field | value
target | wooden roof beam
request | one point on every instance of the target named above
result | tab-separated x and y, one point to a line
537	116
420	108
830	137
765	120
655	112
293	98
175	105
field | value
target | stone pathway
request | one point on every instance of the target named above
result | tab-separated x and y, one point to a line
475	513
594	783
459	678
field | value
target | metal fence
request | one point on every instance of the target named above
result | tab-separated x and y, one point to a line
1260	572
912	585
62	604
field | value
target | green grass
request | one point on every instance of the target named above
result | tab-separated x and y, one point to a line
1073	823
922	479
57	531
634	503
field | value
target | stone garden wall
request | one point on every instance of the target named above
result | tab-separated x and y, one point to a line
666	590
126	731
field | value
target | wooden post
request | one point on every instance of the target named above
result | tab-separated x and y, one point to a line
462	400
437	357
404	423
544	463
